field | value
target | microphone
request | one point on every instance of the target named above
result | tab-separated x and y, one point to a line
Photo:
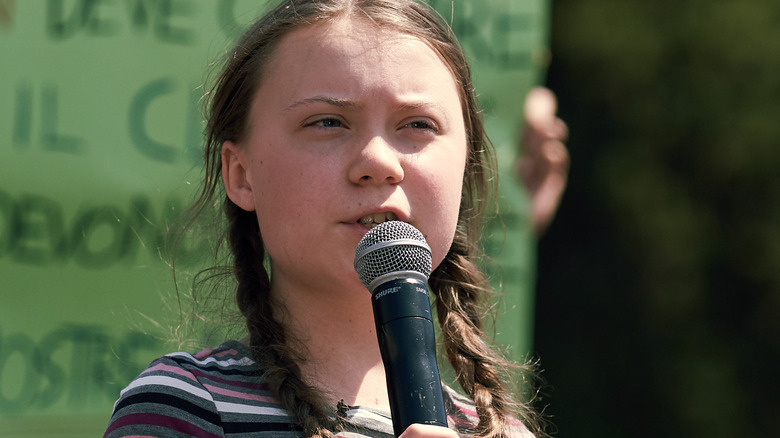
393	261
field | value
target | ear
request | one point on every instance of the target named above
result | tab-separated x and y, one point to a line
235	176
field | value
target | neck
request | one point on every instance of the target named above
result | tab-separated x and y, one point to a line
336	329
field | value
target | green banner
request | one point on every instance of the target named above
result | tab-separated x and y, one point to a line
100	133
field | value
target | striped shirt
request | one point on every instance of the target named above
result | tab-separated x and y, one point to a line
218	393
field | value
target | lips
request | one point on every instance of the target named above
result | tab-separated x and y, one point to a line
374	219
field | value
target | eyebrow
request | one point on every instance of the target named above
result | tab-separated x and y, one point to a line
335	101
416	104
347	103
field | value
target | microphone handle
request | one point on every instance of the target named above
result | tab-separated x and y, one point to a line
404	328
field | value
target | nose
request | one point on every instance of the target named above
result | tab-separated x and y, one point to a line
377	162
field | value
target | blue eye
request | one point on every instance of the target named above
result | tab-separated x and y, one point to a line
328	123
422	124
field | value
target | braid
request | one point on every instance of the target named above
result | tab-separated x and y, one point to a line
268	339
459	286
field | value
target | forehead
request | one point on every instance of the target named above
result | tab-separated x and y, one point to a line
351	37
355	58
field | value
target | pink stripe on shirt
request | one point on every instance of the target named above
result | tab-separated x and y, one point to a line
170	369
242	384
162	421
241	395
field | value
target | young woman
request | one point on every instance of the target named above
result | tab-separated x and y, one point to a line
331	116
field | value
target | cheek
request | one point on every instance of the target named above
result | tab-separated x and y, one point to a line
280	180
445	210
273	189
289	193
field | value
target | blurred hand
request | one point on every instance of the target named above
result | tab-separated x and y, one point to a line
543	166
428	431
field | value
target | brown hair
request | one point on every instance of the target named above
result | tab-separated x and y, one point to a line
458	284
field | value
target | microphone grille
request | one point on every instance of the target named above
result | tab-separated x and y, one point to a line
392	247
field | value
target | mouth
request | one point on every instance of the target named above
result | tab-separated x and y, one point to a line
371	220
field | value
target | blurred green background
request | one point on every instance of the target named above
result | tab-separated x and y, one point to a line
659	286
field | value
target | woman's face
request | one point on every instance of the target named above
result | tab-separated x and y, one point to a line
351	125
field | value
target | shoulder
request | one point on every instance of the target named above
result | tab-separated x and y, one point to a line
462	415
205	394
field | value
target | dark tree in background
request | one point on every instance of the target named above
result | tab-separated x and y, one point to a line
659	285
